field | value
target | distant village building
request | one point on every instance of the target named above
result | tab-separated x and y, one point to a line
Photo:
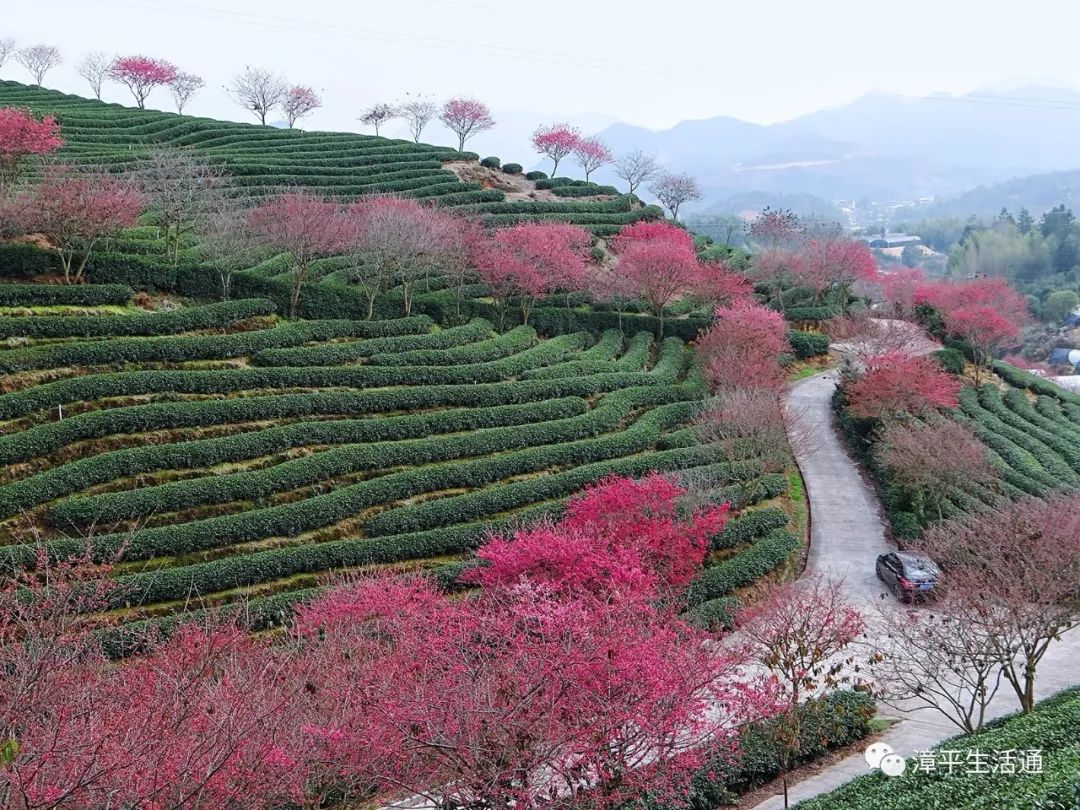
893	240
1065	357
1073	318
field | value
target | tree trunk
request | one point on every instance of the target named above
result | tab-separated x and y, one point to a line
555	167
461	143
407	291
294	297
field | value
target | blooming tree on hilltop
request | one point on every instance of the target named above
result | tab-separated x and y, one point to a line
21	137
95	67
378	114
418	112
465	117
39	59
259	90
303	226
300	101
141	74
898	384
742	348
184	87
592	153
75	211
556	142
675	189
530	260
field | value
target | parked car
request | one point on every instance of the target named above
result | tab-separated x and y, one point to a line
909	575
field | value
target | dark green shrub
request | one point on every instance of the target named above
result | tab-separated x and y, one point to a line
86	295
491	162
808	344
21	260
512	168
952	360
536	175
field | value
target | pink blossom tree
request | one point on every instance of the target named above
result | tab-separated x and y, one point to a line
23	136
898	384
901	288
141	74
466	117
75	211
530	260
659	262
556	142
300	102
303	226
674	189
984	327
834	264
742	348
591	154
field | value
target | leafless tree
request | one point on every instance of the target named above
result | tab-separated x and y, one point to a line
94	67
259	90
675	189
39	59
636	168
7	48
183	87
226	241
181	189
419	113
1016	570
378	114
942	658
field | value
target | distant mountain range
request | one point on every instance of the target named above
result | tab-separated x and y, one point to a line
882	147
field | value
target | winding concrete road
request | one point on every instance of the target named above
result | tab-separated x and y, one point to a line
846	536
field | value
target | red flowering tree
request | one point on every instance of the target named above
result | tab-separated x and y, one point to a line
556	142
982	326
620	539
23	136
466	117
719	285
742	348
141	74
299	102
898	384
901	289
75	211
592	153
530	260
304	227
834	264
658	261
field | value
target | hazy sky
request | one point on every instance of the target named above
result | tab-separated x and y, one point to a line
651	63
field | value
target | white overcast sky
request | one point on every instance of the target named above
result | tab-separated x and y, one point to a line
647	62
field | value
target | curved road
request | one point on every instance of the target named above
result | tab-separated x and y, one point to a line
846	536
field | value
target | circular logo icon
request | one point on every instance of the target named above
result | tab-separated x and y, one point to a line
875	753
892	764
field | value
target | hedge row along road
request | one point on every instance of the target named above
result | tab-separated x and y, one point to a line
263	159
216	451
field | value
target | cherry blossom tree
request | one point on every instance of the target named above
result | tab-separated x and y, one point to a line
184	87
465	117
399	239
378	114
556	142
930	462
901	288
636	167
418	112
620	539
75	211
898	384
95	68
259	90
592	153
1016	571
39	59
717	284
141	74
984	327
303	226
775	229
743	346
23	136
658	261
7	48
834	264
802	633
301	101
675	189
529	260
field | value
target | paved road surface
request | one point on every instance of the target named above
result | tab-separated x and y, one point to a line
846	536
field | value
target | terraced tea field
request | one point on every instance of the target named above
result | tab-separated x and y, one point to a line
262	159
218	452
